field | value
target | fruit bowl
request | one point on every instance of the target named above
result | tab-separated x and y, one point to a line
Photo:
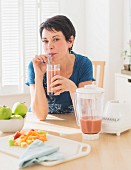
11	125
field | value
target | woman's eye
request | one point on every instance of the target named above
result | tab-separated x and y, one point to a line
45	41
56	39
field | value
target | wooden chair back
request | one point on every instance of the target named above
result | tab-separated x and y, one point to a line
98	72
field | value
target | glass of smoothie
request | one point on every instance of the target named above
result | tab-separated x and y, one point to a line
88	110
52	70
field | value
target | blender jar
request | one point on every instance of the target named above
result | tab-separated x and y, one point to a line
89	109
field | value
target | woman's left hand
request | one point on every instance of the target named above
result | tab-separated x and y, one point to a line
61	84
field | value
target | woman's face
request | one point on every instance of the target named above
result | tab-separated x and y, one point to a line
54	43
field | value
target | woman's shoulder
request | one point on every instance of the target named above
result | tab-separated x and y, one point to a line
81	59
82	69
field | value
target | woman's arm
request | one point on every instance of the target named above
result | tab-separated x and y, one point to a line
39	103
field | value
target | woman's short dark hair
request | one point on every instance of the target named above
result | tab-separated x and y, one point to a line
59	23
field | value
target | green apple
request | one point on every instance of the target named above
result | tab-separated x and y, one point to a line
5	112
16	117
19	109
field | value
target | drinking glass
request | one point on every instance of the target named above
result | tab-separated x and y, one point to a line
52	70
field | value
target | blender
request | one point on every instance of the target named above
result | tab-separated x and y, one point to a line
88	104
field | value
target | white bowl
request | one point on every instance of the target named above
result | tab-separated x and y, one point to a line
11	125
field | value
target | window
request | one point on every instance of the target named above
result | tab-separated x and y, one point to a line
19	39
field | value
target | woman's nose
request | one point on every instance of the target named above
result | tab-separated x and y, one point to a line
50	45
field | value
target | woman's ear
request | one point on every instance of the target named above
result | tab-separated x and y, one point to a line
71	41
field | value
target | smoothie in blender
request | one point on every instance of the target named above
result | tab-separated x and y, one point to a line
90	124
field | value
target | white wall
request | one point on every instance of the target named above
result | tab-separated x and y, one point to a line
97	29
10	100
97	34
115	42
126	25
104	37
75	10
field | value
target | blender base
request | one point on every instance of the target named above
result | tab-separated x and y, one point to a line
90	136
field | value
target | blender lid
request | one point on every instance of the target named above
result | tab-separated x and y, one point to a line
92	89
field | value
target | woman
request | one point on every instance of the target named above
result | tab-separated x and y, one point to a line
57	35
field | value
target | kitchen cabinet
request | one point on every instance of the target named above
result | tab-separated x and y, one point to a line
123	88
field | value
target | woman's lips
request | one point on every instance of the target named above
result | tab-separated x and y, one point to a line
52	54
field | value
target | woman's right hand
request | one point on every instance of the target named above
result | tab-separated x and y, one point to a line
39	63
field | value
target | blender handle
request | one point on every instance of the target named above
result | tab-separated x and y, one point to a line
75	104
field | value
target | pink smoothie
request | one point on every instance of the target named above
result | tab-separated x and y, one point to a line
50	74
90	125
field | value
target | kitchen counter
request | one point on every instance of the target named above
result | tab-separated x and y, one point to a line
109	152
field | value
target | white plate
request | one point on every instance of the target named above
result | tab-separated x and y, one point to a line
71	149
